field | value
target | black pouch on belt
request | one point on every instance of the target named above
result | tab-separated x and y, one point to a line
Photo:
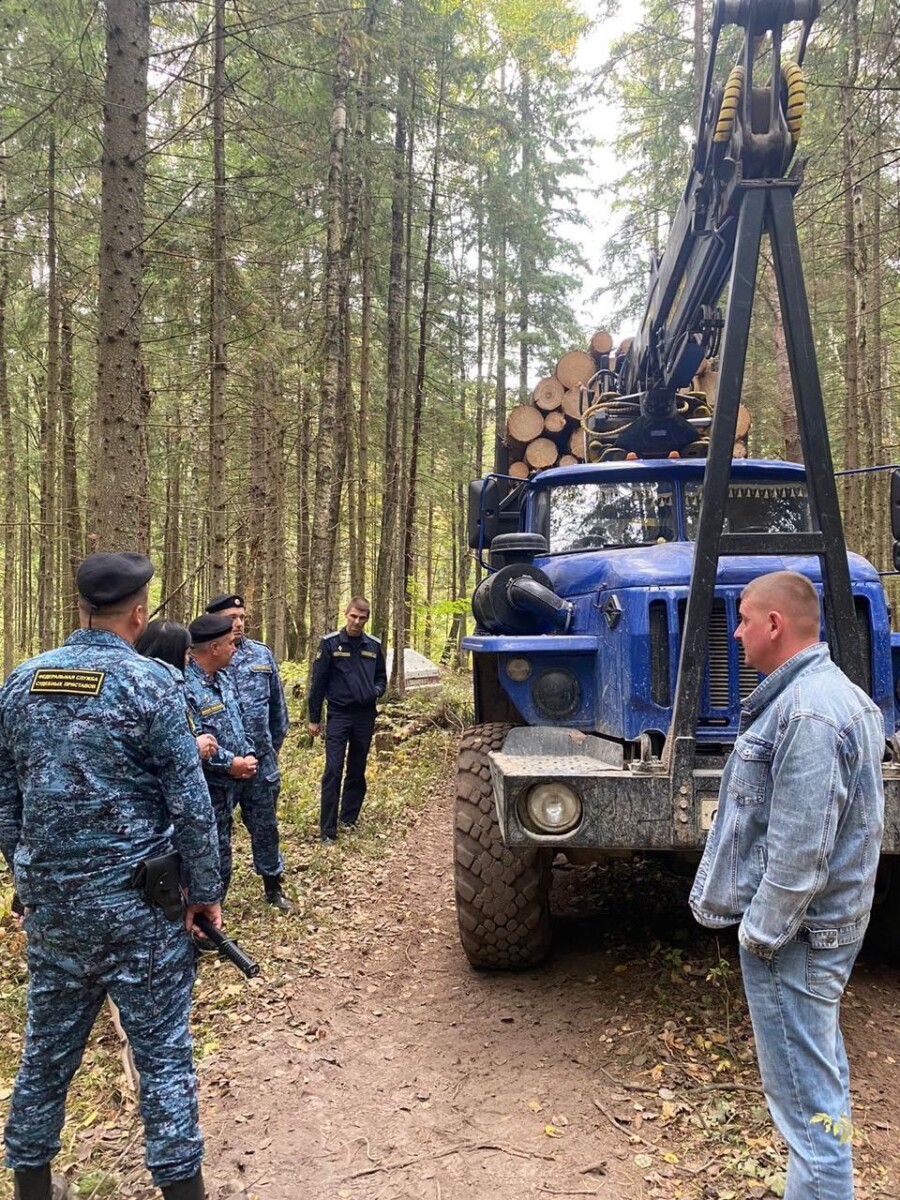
157	879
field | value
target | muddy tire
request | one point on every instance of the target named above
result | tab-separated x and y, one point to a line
502	894
884	929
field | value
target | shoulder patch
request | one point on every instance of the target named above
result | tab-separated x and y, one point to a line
59	682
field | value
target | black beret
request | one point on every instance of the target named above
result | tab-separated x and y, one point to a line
104	578
208	628
226	600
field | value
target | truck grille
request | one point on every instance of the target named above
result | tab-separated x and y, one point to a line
719	690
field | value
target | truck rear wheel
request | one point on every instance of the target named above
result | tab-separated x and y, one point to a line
502	893
884	928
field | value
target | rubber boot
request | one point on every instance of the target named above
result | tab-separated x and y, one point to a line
185	1189
274	895
37	1183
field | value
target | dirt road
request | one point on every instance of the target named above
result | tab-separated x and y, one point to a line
622	1070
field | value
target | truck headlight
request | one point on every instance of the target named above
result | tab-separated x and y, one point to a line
557	693
552	808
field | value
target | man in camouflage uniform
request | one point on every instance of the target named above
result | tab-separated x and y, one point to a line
99	771
215	709
254	673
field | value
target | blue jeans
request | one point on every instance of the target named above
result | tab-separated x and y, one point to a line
795	1008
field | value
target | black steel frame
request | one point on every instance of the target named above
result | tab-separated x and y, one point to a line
768	206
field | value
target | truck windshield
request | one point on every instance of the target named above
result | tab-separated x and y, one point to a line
754	508
589	516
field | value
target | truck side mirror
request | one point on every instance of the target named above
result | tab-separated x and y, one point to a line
484	512
895	505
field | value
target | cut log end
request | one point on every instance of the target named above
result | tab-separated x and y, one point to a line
575	367
541	453
601	342
548	394
525	423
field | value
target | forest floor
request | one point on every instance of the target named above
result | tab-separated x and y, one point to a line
369	1062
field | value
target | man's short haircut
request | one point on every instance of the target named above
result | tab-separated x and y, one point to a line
119	609
359	602
791	594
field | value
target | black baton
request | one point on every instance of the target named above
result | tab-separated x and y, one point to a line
226	947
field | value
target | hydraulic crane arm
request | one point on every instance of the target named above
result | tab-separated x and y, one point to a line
745	132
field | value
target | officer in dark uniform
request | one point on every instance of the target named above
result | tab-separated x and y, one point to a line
349	673
215	709
254	673
99	774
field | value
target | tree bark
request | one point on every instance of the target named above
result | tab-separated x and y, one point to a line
9	456
119	511
330	455
394	364
217	493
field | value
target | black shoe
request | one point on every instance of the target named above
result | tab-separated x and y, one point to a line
274	895
185	1189
348	826
325	840
37	1183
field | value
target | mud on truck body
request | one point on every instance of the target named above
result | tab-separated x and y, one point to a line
608	683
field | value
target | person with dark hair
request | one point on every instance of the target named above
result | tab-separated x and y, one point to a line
170	642
349	673
254	673
99	781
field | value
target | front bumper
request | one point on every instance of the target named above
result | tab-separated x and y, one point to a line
624	806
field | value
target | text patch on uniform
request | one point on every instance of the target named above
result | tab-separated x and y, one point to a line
47	682
211	709
261	667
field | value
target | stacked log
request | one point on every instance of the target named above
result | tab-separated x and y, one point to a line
547	432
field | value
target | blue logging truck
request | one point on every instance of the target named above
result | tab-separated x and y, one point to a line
608	684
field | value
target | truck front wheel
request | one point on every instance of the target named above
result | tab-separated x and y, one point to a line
502	893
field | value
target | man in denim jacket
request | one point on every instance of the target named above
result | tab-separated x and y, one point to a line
791	859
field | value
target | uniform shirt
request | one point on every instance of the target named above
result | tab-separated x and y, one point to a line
254	673
98	771
215	709
348	672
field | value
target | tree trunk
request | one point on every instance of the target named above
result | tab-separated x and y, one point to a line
47	543
394	365
330	455
9	456
119	512
424	317
217	498
74	549
853	495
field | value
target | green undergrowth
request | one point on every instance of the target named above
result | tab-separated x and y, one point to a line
102	1142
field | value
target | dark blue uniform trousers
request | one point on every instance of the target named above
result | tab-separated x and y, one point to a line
223	796
258	799
77	954
347	735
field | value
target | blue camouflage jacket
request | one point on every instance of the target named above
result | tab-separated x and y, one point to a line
254	673
98	771
796	838
215	708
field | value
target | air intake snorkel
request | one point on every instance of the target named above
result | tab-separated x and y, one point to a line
519	598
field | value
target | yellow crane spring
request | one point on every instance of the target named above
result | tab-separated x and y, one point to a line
795	81
731	98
